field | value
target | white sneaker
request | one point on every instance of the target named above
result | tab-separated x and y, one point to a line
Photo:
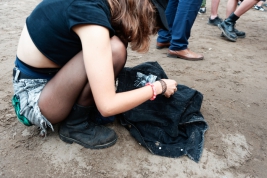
202	10
260	8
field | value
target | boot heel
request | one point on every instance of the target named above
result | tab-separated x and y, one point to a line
64	139
79	129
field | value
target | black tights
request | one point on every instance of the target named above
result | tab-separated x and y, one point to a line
70	85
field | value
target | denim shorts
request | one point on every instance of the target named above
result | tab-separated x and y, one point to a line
25	101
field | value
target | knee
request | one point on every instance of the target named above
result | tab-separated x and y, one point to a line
119	53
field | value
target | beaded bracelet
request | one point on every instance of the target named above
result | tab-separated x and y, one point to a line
154	90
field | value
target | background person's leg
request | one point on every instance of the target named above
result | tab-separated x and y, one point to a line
244	7
203	4
202	9
214	8
214	19
228	25
231	7
184	19
259	6
164	36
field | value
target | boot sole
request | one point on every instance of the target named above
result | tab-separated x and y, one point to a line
212	24
70	141
188	59
222	35
228	37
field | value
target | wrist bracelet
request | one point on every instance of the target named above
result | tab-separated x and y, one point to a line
164	86
154	90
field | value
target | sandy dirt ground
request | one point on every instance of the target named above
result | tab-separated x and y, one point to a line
232	78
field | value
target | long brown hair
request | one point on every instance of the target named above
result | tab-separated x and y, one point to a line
134	21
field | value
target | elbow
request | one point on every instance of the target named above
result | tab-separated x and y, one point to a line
107	108
106	112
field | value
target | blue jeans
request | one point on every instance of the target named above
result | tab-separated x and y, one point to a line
181	15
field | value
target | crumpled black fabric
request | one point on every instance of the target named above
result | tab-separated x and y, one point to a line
170	127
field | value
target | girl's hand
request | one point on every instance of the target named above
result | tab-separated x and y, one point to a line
170	87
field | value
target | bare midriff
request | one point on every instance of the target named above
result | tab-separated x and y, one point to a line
28	53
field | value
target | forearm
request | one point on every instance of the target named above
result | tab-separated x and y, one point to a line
99	69
121	102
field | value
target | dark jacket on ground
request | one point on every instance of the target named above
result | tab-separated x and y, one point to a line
169	127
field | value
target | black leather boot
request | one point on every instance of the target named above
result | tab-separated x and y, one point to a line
239	34
228	30
79	129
